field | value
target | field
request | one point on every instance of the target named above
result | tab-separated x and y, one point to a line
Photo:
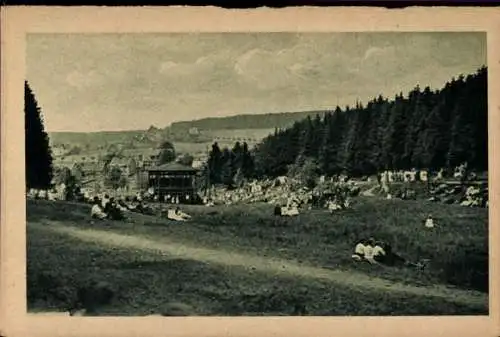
241	260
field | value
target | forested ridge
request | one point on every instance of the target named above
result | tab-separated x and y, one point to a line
246	121
429	129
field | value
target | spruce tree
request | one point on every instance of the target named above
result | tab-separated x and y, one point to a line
215	164
38	156
247	162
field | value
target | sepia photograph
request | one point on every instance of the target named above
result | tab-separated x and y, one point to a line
257	174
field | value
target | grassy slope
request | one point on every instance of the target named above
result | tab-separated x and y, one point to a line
316	238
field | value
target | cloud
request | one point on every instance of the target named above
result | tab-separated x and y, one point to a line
165	67
299	64
372	51
263	69
201	67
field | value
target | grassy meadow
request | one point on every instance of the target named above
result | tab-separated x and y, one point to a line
66	249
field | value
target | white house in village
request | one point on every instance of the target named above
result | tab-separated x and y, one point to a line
194	131
198	163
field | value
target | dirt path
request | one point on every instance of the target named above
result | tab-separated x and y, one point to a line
264	264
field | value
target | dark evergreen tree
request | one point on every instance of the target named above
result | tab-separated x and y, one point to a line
167	153
330	153
227	170
38	156
393	141
478	100
247	162
237	158
349	145
215	164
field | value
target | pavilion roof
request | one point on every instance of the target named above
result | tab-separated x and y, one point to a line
172	167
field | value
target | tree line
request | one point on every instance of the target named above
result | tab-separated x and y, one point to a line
426	129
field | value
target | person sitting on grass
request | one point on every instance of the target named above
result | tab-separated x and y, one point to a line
429	222
277	210
370	244
105	201
359	251
96	211
379	254
333	205
113	212
108	205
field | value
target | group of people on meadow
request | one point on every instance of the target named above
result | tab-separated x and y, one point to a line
380	252
460	172
375	252
107	207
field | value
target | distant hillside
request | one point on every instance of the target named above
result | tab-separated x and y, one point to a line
246	121
251	126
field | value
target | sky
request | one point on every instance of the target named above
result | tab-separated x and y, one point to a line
98	82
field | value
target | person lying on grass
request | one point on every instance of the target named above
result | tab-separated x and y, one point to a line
385	256
177	215
289	211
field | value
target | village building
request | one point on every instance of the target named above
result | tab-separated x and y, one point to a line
198	164
120	162
194	131
144	157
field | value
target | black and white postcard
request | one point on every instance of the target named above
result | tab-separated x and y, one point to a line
216	169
